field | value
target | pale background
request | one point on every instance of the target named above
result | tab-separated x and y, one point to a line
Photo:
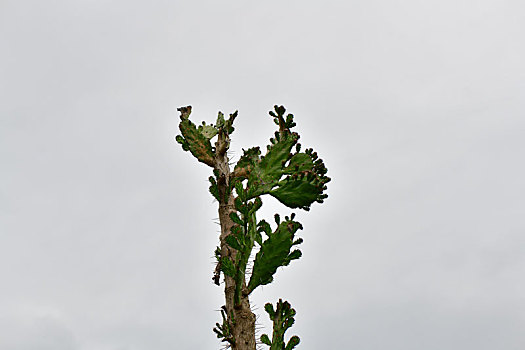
417	107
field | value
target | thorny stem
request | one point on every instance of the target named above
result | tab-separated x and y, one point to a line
243	322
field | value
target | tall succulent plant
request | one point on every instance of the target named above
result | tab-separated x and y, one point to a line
297	179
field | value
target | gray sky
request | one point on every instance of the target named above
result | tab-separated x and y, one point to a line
417	107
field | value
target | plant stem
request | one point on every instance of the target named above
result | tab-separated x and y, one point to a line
240	316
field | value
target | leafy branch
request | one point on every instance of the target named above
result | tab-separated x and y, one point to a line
283	318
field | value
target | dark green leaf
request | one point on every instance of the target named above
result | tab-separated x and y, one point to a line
227	266
236	219
274	252
296	254
294	341
266	340
297	193
233	242
194	140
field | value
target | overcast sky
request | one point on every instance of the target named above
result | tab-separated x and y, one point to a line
107	229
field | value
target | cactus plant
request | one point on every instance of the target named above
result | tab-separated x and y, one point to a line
296	179
283	318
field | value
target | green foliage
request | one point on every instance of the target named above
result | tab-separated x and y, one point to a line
242	237
297	179
275	251
226	124
283	318
228	267
214	189
224	330
196	140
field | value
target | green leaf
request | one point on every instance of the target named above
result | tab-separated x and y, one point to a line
249	157
265	227
299	162
236	219
296	254
293	342
227	266
257	237
220	120
214	190
270	168
283	318
241	193
266	340
274	252
209	131
297	193
233	242
226	125
268	307
194	140
295	179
